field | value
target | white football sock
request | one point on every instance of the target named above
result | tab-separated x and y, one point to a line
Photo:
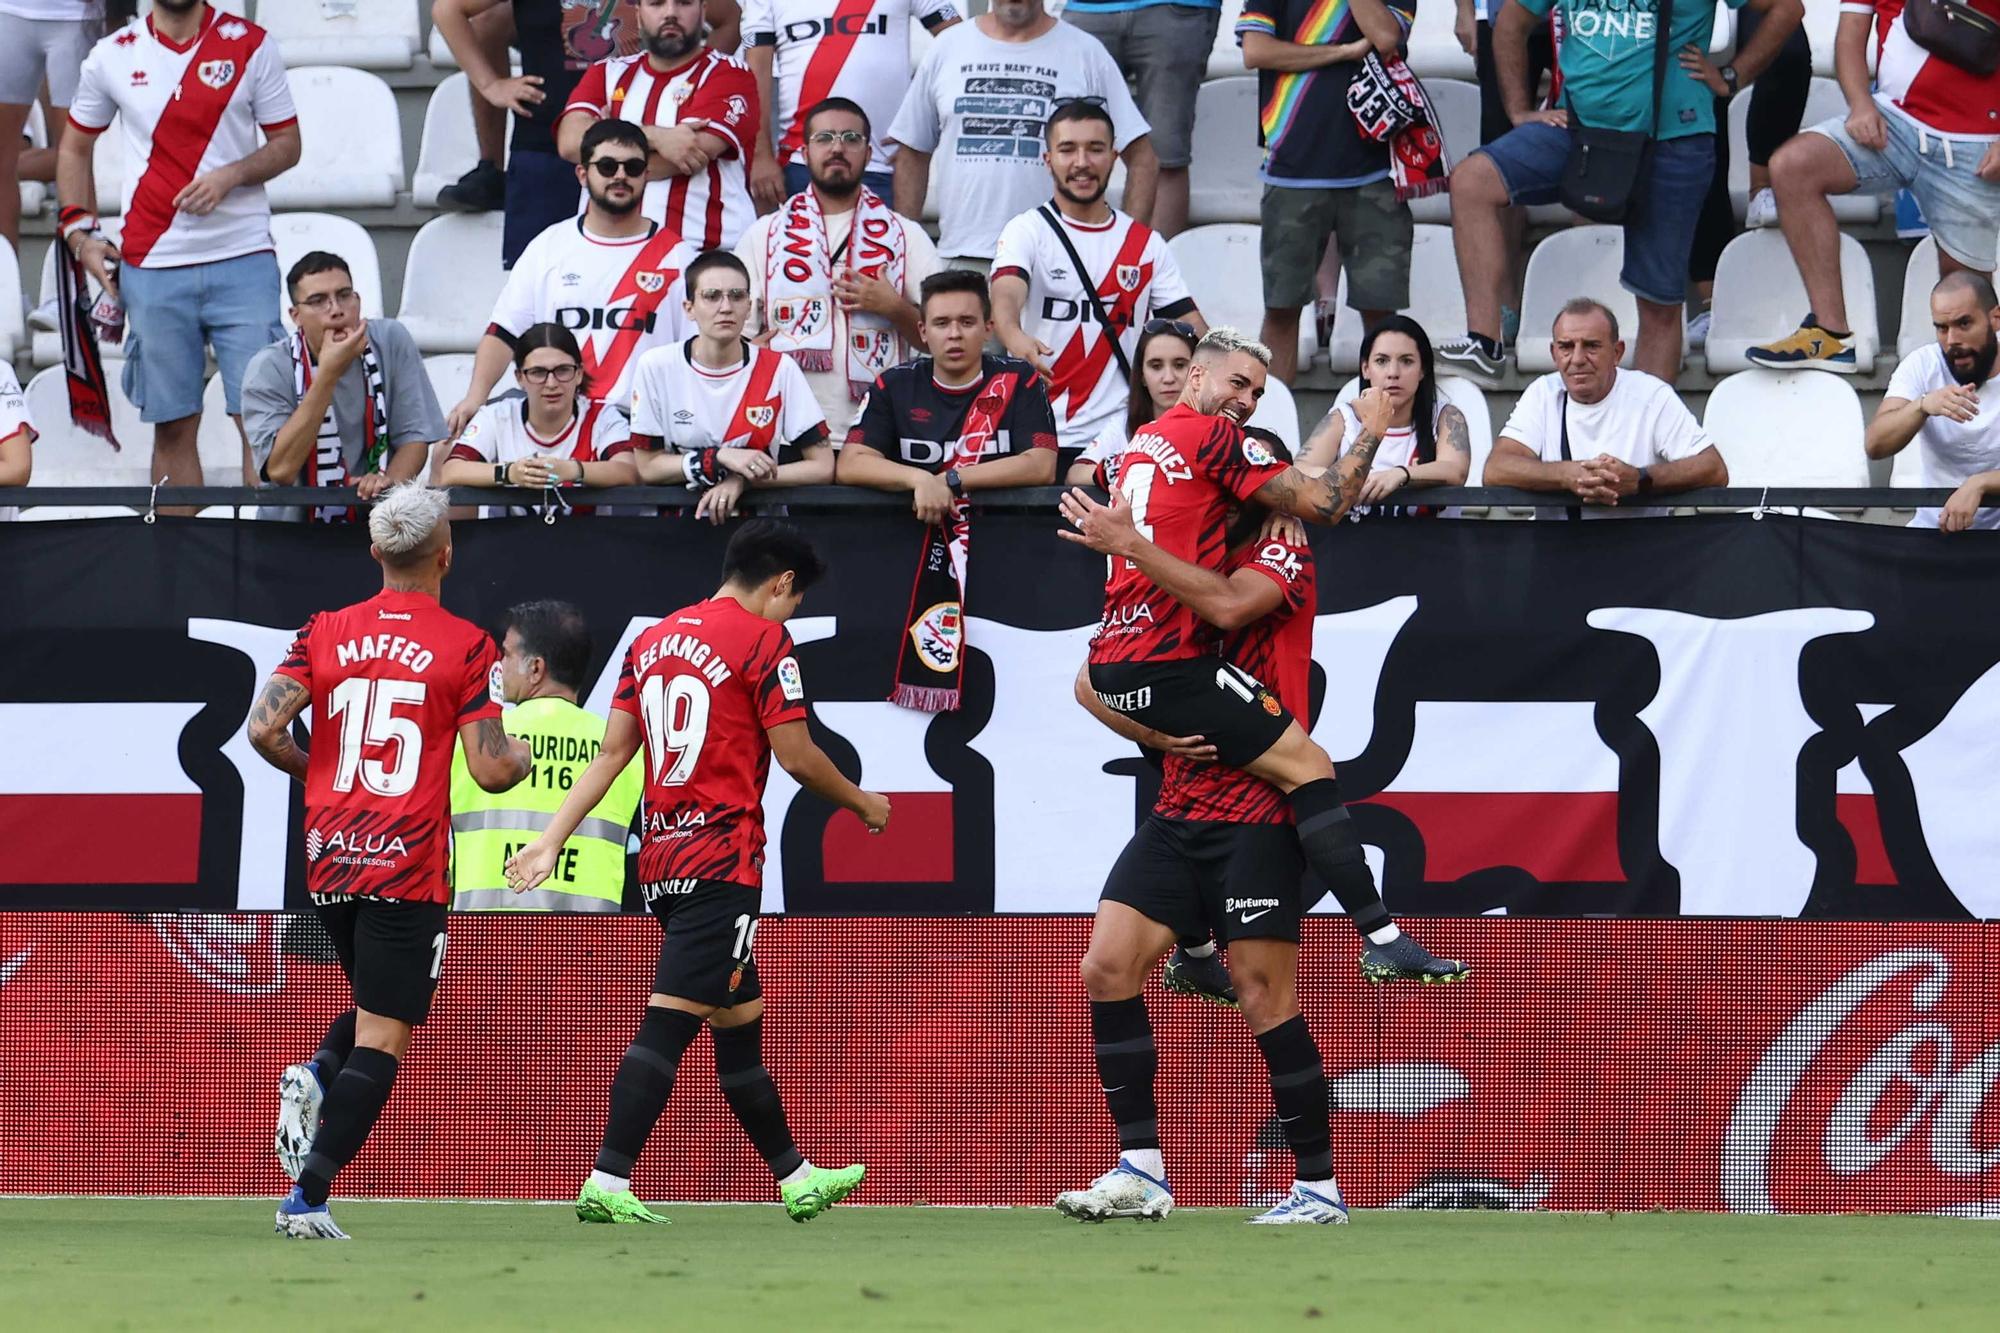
604	1180
804	1169
1386	935
1145	1159
1206	949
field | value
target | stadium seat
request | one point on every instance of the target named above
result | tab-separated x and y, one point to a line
450	375
1760	298
376	34
1436	300
1457	106
217	441
1434	49
298	233
440	52
1722	38
1222	177
1823	102
448	147
1906	472
107	169
13	323
1226	279
1788	428
1577	261
451	281
1468	398
1278	412
354	142
1919	276
1225	58
1822	21
67	456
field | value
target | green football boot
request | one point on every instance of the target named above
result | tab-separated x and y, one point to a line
819	1191
594	1203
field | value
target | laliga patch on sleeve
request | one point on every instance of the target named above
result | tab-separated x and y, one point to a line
789	679
493	690
1258	453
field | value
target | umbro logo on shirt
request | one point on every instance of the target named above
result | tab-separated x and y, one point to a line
571	279
1058	274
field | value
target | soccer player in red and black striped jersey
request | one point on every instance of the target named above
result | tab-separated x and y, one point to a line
711	692
392	682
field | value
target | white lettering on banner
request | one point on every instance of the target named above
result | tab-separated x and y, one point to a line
1353	646
1059	820
1730	723
1953	759
1850	1143
267	793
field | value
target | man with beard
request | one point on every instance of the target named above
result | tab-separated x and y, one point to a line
837	297
1075	279
612	277
1947	398
698	109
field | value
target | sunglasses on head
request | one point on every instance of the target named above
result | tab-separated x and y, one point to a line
1079	101
1174	326
609	167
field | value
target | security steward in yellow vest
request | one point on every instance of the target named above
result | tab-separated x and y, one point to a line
544	655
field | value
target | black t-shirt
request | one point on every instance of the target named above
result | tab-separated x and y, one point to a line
911	418
559	43
1308	133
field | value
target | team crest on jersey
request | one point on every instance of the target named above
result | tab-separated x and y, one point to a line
761	417
216	73
650	281
1270	702
1257	452
1128	277
789	680
938	635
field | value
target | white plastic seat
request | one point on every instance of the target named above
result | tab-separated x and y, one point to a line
440	51
68	456
354	142
451	281
107	169
1225	58
216	441
1456	105
1436	300
1823	102
1468	398
376	34
451	375
1906	472
1760	298
1222	176
1278	412
1434	49
449	147
1577	261
298	233
1722	38
1822	21
1226	278
1788	428
1919	276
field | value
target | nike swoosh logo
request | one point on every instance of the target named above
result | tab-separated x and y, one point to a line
1248	917
14	964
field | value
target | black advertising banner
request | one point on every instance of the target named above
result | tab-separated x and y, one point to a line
1714	716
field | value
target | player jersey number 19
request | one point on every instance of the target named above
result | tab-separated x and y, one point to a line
367	713
676	710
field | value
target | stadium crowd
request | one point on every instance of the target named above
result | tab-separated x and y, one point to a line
715	260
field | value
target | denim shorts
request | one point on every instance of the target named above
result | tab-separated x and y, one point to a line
174	314
1659	230
1942	173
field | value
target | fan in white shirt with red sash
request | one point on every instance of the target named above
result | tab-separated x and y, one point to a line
1075	280
611	277
719	414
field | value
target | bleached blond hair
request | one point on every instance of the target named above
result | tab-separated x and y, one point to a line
405	519
1223	340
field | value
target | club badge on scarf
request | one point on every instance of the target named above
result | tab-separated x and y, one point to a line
931	665
326	466
798	287
1390	106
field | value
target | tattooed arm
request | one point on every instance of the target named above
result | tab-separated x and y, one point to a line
1228	601
270	727
496	760
1187	747
1453	463
1324	499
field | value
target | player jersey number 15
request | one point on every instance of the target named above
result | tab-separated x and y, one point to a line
367	713
676	713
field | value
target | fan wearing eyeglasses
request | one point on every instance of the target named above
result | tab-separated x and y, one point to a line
718	413
343	400
1075	279
553	434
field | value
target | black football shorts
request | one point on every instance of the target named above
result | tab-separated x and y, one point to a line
1196	696
392	951
709	927
1242	881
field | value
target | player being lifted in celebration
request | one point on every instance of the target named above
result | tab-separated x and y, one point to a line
391	682
711	692
1218	852
1154	660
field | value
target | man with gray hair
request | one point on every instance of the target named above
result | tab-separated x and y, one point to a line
392	682
1607	436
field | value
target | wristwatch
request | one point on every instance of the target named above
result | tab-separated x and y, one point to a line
1645	480
499	474
956	482
1728	73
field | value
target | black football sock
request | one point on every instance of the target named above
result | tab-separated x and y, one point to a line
1326	835
349	1112
334	1048
645	1080
1126	1064
747	1087
1298	1090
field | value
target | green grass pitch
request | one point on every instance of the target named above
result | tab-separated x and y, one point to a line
178	1264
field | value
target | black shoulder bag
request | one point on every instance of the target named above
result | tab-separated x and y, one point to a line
1955	32
1575	512
1089	281
1605	167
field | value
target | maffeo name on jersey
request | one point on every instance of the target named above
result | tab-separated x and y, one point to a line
691	650
384	647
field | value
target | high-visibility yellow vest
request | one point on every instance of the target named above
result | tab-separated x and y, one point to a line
489	827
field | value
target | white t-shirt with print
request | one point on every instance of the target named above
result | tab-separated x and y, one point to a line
1951	450
13	416
1642	421
980	105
